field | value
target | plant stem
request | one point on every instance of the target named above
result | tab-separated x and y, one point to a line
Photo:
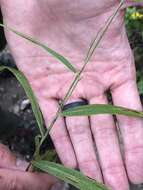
72	87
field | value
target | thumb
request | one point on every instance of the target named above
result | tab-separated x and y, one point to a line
13	178
19	180
7	159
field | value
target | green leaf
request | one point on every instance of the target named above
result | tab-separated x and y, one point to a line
94	109
101	33
25	84
37	142
138	0
49	155
59	57
70	176
140	86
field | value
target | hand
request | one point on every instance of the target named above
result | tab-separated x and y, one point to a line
13	177
68	27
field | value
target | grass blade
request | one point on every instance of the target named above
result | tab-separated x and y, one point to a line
25	84
59	57
70	176
94	109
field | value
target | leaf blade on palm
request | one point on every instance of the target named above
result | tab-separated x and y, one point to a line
94	109
58	56
70	176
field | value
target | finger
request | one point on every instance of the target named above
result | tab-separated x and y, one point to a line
7	159
80	134
18	180
132	129
104	132
59	134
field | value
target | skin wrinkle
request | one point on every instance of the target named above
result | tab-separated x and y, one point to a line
87	169
116	168
134	150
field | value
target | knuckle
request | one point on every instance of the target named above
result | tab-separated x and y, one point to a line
134	164
114	170
134	151
135	173
88	164
90	168
115	176
105	132
77	129
13	184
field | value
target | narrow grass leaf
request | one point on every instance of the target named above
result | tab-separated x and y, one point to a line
37	142
70	176
101	33
49	155
59	57
94	109
25	84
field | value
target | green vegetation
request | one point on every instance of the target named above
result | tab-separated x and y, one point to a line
134	25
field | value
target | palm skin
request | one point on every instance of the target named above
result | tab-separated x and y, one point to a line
68	27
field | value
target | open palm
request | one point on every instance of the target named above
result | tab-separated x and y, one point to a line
68	27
